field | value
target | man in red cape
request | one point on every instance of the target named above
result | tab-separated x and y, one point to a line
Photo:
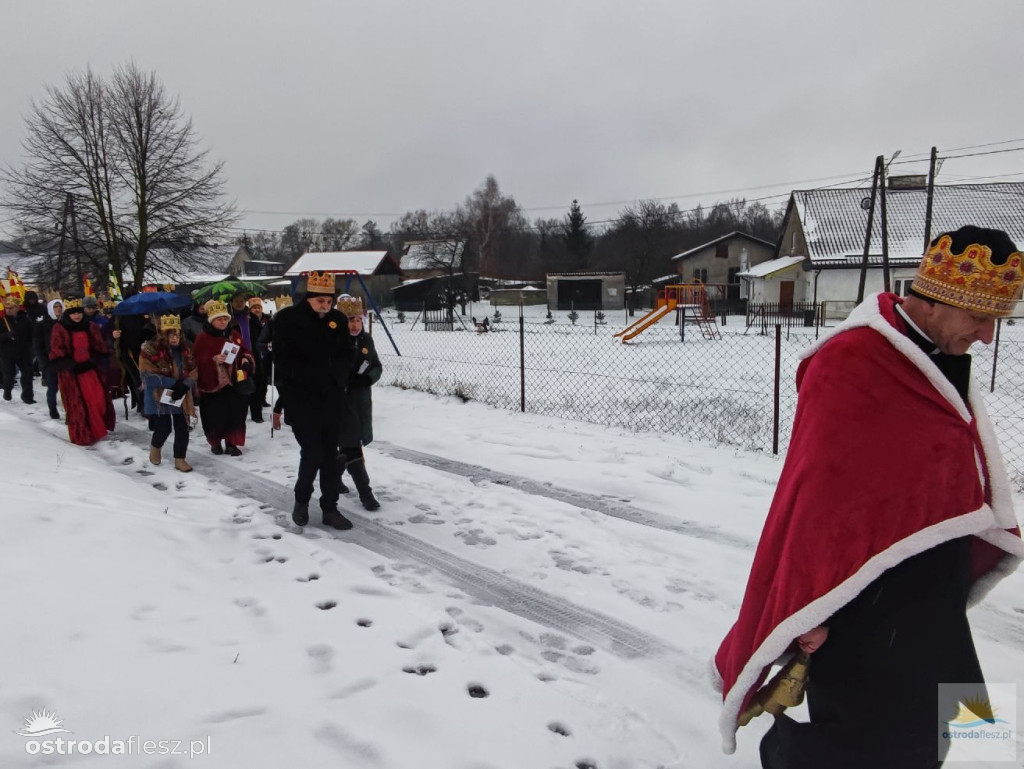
892	515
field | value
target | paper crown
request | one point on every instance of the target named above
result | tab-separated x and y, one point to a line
320	283
72	304
170	323
255	301
350	305
959	269
216	309
110	304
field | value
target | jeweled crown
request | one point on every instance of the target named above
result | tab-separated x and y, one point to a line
170	323
72	304
320	282
350	305
969	280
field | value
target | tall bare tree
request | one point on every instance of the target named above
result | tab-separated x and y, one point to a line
126	153
491	218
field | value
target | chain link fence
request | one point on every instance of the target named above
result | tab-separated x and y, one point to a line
666	379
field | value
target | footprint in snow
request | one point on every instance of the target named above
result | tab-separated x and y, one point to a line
420	670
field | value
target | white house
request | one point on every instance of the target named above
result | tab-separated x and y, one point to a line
827	226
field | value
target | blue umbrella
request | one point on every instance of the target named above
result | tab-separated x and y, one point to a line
152	302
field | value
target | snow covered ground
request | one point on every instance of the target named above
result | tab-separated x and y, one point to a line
534	593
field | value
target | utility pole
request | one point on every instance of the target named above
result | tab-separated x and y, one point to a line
58	277
931	197
74	241
879	164
886	285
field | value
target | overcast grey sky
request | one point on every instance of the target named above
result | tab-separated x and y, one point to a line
369	109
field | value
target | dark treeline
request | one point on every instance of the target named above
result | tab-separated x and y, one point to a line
494	237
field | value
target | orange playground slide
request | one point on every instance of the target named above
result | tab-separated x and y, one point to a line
648	320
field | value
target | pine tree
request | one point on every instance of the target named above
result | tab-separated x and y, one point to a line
577	240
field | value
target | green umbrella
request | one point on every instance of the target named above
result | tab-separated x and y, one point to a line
225	289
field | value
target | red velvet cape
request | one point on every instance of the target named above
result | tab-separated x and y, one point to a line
886	461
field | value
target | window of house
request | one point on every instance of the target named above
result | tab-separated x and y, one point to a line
701	274
722	251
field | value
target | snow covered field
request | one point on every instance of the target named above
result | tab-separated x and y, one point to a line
534	593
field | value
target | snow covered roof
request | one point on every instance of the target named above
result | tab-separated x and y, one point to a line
363	262
431	254
835	220
772	266
716	241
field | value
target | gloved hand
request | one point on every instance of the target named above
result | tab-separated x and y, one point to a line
85	365
179	389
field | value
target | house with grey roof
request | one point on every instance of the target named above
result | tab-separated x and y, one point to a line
828	227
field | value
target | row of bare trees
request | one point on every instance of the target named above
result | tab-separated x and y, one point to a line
489	234
113	177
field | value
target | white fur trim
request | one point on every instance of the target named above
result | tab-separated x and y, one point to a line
816	612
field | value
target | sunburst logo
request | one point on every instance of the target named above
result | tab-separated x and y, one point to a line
42	723
975	711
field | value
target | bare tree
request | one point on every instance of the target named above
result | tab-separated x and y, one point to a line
127	154
643	236
491	218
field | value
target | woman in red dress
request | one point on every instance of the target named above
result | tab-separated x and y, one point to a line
76	347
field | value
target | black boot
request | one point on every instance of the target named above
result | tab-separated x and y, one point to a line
300	513
54	414
357	469
341	471
336	520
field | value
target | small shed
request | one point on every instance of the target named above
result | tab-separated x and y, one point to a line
586	290
778	280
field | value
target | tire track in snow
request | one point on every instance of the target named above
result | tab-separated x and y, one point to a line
479	582
580	499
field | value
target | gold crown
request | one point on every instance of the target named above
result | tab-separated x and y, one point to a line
320	282
72	304
110	304
283	301
969	280
170	323
216	308
350	305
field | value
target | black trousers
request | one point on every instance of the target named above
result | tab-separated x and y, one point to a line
8	366
161	426
319	455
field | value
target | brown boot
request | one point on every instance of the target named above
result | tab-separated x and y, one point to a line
154	455
181	464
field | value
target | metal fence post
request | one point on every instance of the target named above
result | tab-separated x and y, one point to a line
995	355
778	372
522	361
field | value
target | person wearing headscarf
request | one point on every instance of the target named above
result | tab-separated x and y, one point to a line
41	341
224	386
357	421
76	347
168	369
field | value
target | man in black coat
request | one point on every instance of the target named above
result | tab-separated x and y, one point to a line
16	329
313	353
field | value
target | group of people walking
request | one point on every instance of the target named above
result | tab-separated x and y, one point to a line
213	369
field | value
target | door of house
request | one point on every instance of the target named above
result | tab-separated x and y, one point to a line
786	296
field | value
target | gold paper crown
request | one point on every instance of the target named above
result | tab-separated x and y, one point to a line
216	308
320	283
969	280
72	304
170	323
283	301
110	304
350	305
